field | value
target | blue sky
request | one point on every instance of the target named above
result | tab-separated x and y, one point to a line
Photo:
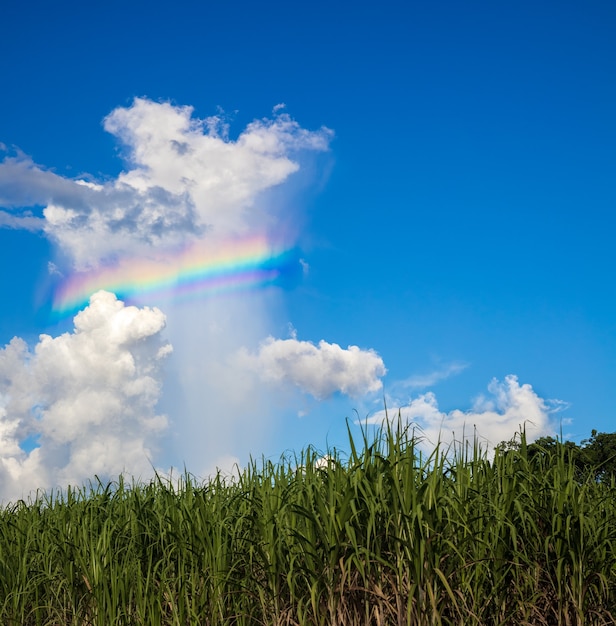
456	223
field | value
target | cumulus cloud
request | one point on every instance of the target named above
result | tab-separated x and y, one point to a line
82	403
320	370
86	402
186	184
185	178
496	417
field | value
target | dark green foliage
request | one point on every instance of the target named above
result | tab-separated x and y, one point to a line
595	457
600	450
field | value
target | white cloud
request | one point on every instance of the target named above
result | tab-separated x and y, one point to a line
185	179
185	182
509	407
421	381
26	221
87	399
318	370
557	406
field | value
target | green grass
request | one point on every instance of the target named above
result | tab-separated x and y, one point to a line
383	536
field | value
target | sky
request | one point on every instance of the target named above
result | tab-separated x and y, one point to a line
236	229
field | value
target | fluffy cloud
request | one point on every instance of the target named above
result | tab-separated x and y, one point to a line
186	185
185	179
82	403
509	407
318	370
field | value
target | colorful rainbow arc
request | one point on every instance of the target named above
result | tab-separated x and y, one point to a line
200	270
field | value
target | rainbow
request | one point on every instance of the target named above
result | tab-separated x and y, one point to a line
201	270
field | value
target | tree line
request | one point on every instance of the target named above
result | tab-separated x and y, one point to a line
594	457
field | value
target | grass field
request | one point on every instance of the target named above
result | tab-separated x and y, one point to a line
382	536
